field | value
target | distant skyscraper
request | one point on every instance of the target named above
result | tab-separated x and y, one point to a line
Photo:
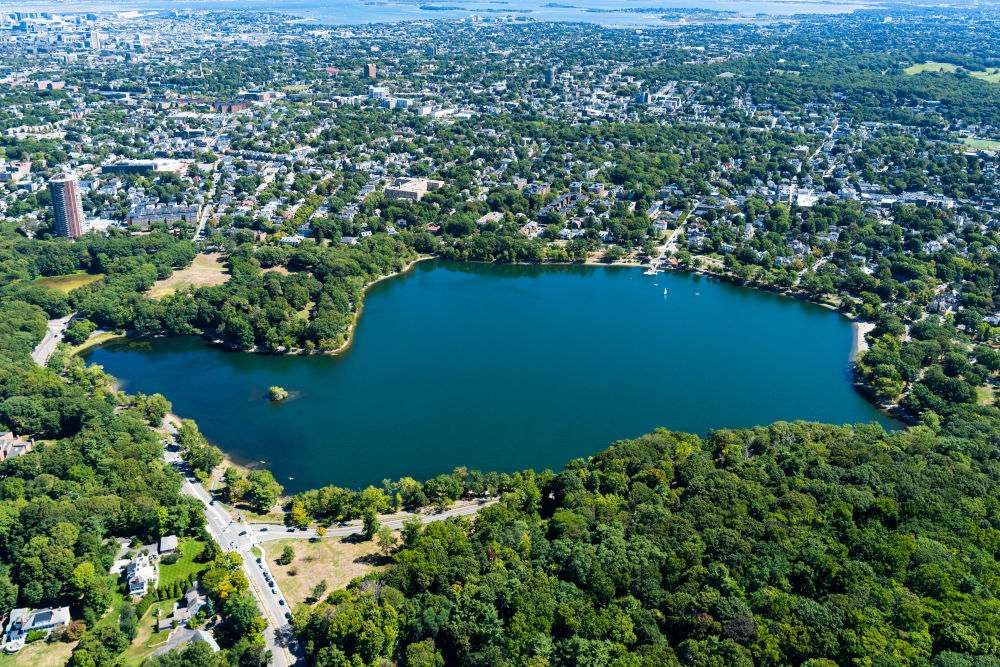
370	70
69	214
550	76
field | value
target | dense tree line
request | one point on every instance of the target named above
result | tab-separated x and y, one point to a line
779	545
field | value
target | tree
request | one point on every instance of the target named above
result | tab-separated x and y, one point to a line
157	408
387	540
370	524
411	531
264	490
298	515
287	555
423	654
319	589
127	621
243	619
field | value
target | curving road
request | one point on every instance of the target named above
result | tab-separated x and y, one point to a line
56	330
240	536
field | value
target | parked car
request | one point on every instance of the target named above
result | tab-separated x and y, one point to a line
258	560
281	602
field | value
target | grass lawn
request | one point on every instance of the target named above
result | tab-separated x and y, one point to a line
930	67
337	561
984	395
145	642
204	271
117	602
984	144
70	282
180	570
991	75
96	338
39	654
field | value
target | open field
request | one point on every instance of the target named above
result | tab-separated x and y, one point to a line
983	144
70	282
337	561
930	67
205	270
39	654
984	395
991	75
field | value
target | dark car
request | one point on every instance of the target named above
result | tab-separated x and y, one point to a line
264	529
288	615
281	602
258	560
242	533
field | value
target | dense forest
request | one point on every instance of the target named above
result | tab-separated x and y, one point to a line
789	544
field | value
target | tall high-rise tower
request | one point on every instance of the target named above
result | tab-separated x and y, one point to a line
69	213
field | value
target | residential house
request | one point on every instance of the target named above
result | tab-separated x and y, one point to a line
140	575
23	622
12	445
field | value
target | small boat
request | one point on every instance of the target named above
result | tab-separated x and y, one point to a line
664	291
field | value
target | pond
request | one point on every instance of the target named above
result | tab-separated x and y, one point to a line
499	367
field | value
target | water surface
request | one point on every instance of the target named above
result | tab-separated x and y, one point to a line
355	12
507	367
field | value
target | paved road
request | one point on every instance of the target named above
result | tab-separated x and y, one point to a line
56	330
199	233
240	536
232	535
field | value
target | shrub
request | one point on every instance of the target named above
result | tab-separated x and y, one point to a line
74	631
170	559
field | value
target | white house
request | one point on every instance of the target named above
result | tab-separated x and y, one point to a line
140	575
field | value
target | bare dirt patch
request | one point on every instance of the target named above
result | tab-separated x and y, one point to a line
205	271
336	560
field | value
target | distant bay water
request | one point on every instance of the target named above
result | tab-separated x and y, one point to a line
503	368
356	12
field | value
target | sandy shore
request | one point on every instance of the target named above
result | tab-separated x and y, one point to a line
860	344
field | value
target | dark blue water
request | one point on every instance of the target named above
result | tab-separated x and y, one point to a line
509	367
